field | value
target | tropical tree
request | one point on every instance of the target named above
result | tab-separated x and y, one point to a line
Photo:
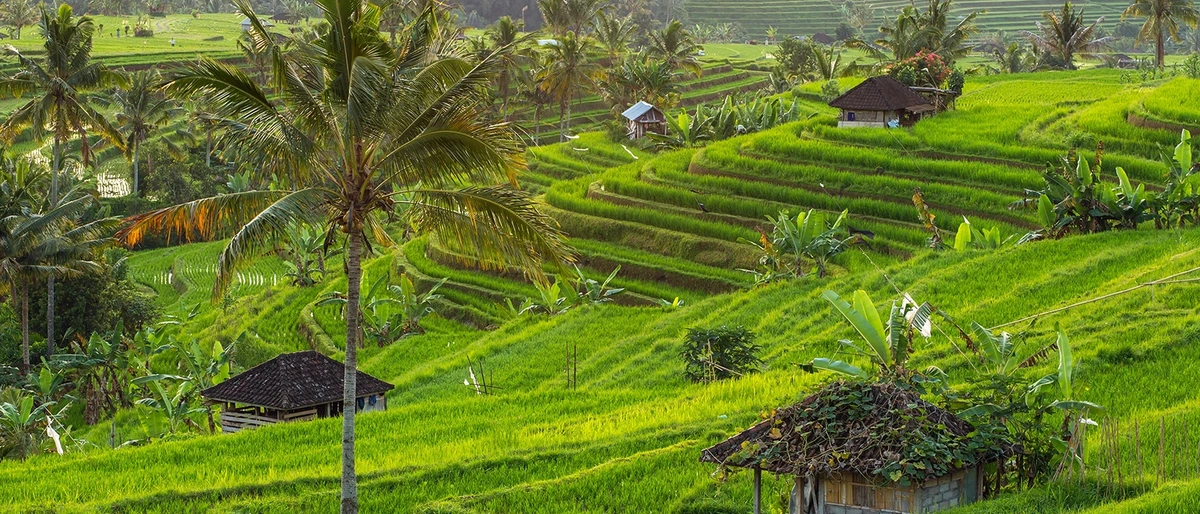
637	79
19	13
1162	19
362	128
505	39
674	46
568	70
1064	36
59	107
930	30
34	247
141	111
565	16
614	34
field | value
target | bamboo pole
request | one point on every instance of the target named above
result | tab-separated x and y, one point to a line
1137	444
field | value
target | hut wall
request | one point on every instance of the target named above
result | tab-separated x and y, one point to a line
875	119
944	493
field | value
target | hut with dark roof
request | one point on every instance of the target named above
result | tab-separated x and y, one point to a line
291	387
857	448
642	118
881	102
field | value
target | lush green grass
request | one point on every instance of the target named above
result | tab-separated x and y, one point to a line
634	427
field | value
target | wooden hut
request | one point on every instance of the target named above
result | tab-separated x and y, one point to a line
643	118
291	387
881	102
841	444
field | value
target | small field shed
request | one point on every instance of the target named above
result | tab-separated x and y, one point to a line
643	118
881	102
291	387
842	442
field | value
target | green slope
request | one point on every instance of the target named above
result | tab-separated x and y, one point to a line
628	438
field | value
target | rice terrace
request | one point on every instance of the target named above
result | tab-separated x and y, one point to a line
560	256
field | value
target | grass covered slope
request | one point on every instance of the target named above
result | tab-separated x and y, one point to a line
628	438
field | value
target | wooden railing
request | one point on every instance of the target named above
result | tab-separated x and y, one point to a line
235	421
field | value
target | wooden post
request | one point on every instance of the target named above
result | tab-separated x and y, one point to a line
1162	434
757	491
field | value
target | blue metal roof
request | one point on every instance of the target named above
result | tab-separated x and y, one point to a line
637	110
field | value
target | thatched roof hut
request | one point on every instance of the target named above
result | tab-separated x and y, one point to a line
291	387
867	448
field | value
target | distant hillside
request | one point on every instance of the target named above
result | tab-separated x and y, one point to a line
808	17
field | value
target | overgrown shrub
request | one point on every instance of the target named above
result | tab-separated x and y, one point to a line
719	353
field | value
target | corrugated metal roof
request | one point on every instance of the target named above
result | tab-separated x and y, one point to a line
637	110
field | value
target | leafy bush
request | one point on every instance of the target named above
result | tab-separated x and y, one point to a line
830	90
719	353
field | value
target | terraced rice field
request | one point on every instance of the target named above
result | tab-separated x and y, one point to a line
808	17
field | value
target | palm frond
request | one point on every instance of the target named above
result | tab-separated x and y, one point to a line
497	226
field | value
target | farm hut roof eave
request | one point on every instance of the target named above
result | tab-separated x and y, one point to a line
293	381
637	110
816	458
881	93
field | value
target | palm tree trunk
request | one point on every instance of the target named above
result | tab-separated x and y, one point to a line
537	124
349	386
135	169
562	118
568	120
50	281
208	151
1159	51
24	328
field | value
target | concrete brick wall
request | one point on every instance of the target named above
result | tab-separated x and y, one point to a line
942	495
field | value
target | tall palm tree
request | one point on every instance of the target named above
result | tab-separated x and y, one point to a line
60	106
565	16
1065	35
1162	18
674	46
362	130
34	247
203	121
18	14
505	39
141	111
567	72
915	30
614	34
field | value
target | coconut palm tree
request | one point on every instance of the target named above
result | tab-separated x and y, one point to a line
505	39
141	111
614	34
60	107
362	130
674	46
568	71
1064	36
1162	18
34	247
18	14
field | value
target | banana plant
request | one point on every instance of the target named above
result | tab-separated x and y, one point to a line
969	237
888	347
23	426
1179	202
807	236
592	291
177	406
552	298
684	131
